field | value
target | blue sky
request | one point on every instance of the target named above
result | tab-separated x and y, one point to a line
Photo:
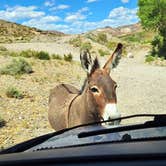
69	16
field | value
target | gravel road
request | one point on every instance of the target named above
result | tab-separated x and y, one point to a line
142	87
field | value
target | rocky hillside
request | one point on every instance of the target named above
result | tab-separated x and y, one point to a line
12	32
122	30
129	34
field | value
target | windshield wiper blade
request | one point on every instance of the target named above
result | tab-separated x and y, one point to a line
35	141
159	121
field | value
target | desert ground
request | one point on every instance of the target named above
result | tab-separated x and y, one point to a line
141	89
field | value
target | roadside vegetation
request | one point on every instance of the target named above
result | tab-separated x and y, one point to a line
68	57
42	55
56	56
13	92
143	37
99	38
78	42
103	52
153	18
17	67
24	99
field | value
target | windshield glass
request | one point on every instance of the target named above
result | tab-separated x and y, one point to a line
70	138
50	78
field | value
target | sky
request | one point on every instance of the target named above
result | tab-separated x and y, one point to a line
70	16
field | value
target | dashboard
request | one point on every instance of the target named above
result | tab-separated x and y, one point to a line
149	153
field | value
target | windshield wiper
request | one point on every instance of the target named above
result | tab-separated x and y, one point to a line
35	141
159	121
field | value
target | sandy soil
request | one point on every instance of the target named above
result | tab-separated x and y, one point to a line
141	89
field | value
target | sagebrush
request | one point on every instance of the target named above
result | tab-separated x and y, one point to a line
13	92
68	57
17	67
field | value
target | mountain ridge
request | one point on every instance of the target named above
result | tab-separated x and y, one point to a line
11	31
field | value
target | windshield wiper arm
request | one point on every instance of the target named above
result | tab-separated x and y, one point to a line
159	121
35	141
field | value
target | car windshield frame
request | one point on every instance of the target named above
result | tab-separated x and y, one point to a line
158	125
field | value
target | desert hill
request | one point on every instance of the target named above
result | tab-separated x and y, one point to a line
13	32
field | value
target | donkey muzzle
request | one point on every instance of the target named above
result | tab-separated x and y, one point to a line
111	112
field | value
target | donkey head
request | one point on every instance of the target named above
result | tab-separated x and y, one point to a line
100	88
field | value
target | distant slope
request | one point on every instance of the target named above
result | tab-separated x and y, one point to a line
119	31
12	32
133	33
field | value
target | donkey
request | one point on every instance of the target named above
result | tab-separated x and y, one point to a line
96	101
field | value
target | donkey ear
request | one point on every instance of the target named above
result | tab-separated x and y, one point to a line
113	61
95	65
86	61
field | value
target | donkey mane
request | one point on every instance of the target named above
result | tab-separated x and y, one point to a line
83	86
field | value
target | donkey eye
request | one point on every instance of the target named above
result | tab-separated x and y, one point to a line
94	90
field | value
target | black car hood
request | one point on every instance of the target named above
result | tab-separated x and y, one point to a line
70	138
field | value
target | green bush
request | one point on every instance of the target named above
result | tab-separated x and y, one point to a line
111	44
43	55
138	37
14	54
162	58
103	52
17	67
91	36
56	56
76	42
68	57
158	46
32	54
12	92
86	46
149	58
2	48
102	38
28	53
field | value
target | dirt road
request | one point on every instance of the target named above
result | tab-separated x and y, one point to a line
142	87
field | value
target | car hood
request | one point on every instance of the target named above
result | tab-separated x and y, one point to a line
70	138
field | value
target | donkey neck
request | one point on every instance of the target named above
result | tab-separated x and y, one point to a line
82	109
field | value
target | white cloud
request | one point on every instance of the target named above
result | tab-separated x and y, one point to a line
49	26
60	7
73	22
84	9
117	17
125	1
123	15
49	3
20	12
42	22
63	6
79	15
75	17
90	1
77	23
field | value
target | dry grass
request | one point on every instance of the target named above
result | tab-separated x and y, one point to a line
27	118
